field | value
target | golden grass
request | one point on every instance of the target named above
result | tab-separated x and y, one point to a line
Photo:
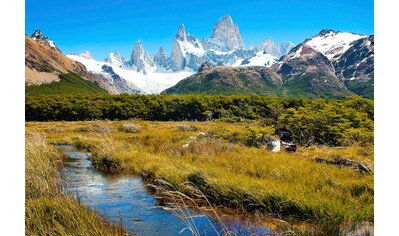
48	211
290	185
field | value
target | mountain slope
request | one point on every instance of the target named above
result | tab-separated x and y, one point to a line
356	67
307	72
44	64
69	83
330	64
261	80
340	59
228	80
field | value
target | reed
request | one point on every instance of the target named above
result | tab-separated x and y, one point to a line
48	210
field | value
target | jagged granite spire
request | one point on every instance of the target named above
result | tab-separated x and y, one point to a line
181	33
225	35
140	59
162	61
178	55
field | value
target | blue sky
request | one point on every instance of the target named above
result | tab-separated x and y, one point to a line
104	26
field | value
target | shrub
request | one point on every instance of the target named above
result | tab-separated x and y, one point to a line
130	128
185	127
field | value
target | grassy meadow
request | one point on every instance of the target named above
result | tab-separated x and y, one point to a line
224	166
48	210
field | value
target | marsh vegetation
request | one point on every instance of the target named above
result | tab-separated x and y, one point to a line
220	159
49	210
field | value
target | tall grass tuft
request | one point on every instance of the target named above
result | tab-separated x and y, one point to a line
42	161
48	210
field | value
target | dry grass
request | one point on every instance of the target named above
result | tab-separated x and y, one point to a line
48	211
41	168
228	173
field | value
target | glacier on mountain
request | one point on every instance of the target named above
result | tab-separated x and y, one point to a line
152	82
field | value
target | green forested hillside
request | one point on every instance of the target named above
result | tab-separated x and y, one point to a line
261	81
69	83
228	81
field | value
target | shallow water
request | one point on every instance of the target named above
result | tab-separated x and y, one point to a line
123	198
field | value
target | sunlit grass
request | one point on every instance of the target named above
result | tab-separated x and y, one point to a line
48	211
288	185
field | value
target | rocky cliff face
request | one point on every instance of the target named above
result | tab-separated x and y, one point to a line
332	58
356	67
187	50
115	59
225	36
178	54
39	37
225	47
119	84
163	62
309	73
141	60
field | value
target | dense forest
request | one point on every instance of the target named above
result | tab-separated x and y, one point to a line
326	121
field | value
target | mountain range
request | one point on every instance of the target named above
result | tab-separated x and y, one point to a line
329	64
155	73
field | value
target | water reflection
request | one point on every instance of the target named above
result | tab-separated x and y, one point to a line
123	198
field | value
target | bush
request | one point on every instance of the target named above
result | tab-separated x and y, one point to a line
130	128
185	127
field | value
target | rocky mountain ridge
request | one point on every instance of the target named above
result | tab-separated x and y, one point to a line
224	47
329	64
44	63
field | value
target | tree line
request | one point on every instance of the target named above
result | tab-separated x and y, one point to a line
321	120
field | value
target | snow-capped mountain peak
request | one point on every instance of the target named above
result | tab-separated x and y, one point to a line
115	59
152	74
141	60
332	43
186	51
163	62
128	79
86	54
39	37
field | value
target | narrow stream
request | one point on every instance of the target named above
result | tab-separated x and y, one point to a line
123	198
